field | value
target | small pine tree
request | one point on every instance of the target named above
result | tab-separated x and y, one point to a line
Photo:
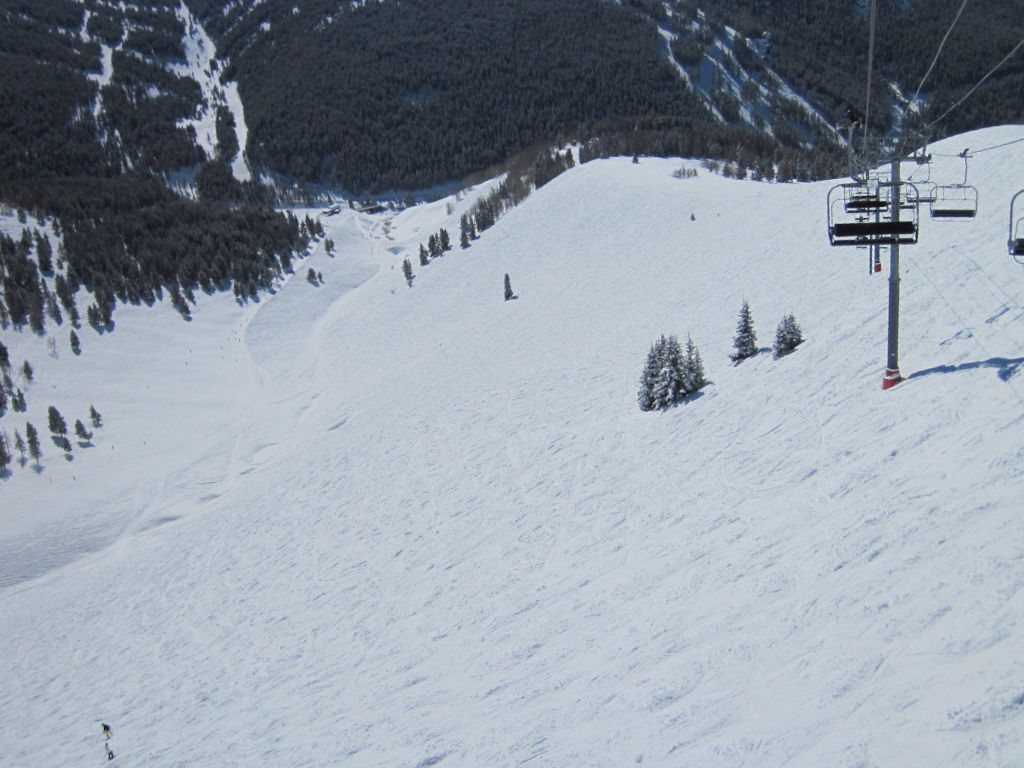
788	336
57	424
27	372
82	432
5	453
94	415
668	385
444	240
424	256
746	340
311	276
19	446
5	358
76	345
434	246
645	396
32	436
508	288
407	271
693	368
18	401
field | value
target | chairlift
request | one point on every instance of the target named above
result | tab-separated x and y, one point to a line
861	214
955	201
1015	244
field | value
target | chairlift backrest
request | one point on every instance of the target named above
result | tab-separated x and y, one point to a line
1015	243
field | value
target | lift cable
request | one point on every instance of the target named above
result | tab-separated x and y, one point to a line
939	51
871	58
975	87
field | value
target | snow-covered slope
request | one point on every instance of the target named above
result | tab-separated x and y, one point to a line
371	525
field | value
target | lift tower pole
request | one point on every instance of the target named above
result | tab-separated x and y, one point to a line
892	369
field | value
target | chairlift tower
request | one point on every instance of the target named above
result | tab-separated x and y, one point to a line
869	212
892	368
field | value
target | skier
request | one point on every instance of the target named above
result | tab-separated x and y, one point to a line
107	733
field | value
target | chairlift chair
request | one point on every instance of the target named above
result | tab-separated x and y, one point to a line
955	201
861	215
1015	243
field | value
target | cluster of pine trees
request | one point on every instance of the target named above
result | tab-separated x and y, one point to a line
788	336
132	239
672	373
13	398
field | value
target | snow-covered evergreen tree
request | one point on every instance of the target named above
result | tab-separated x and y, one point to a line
788	336
746	340
407	271
424	260
693	368
668	386
508	288
645	395
5	453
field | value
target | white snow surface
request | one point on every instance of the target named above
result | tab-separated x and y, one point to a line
363	524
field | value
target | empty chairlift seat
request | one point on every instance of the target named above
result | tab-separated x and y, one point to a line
1015	244
955	201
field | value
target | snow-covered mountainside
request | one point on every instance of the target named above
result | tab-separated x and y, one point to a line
357	523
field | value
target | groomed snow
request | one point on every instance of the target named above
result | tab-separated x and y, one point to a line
363	524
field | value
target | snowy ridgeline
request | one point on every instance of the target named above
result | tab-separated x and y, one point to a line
362	523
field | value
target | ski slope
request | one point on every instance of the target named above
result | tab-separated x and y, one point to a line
362	524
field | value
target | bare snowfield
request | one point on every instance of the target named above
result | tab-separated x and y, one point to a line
362	524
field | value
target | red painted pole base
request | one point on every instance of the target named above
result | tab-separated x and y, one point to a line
892	378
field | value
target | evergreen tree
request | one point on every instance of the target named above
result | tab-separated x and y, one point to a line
433	246
19	446
407	271
668	386
5	453
57	424
693	368
26	372
3	399
82	432
444	241
645	396
32	436
18	401
508	288
746	340
424	260
76	345
311	276
97	420
788	336
5	358
670	375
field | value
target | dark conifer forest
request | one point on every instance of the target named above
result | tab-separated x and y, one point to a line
397	96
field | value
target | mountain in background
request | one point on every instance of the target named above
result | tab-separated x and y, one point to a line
125	114
407	94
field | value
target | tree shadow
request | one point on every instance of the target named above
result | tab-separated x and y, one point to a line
1006	367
